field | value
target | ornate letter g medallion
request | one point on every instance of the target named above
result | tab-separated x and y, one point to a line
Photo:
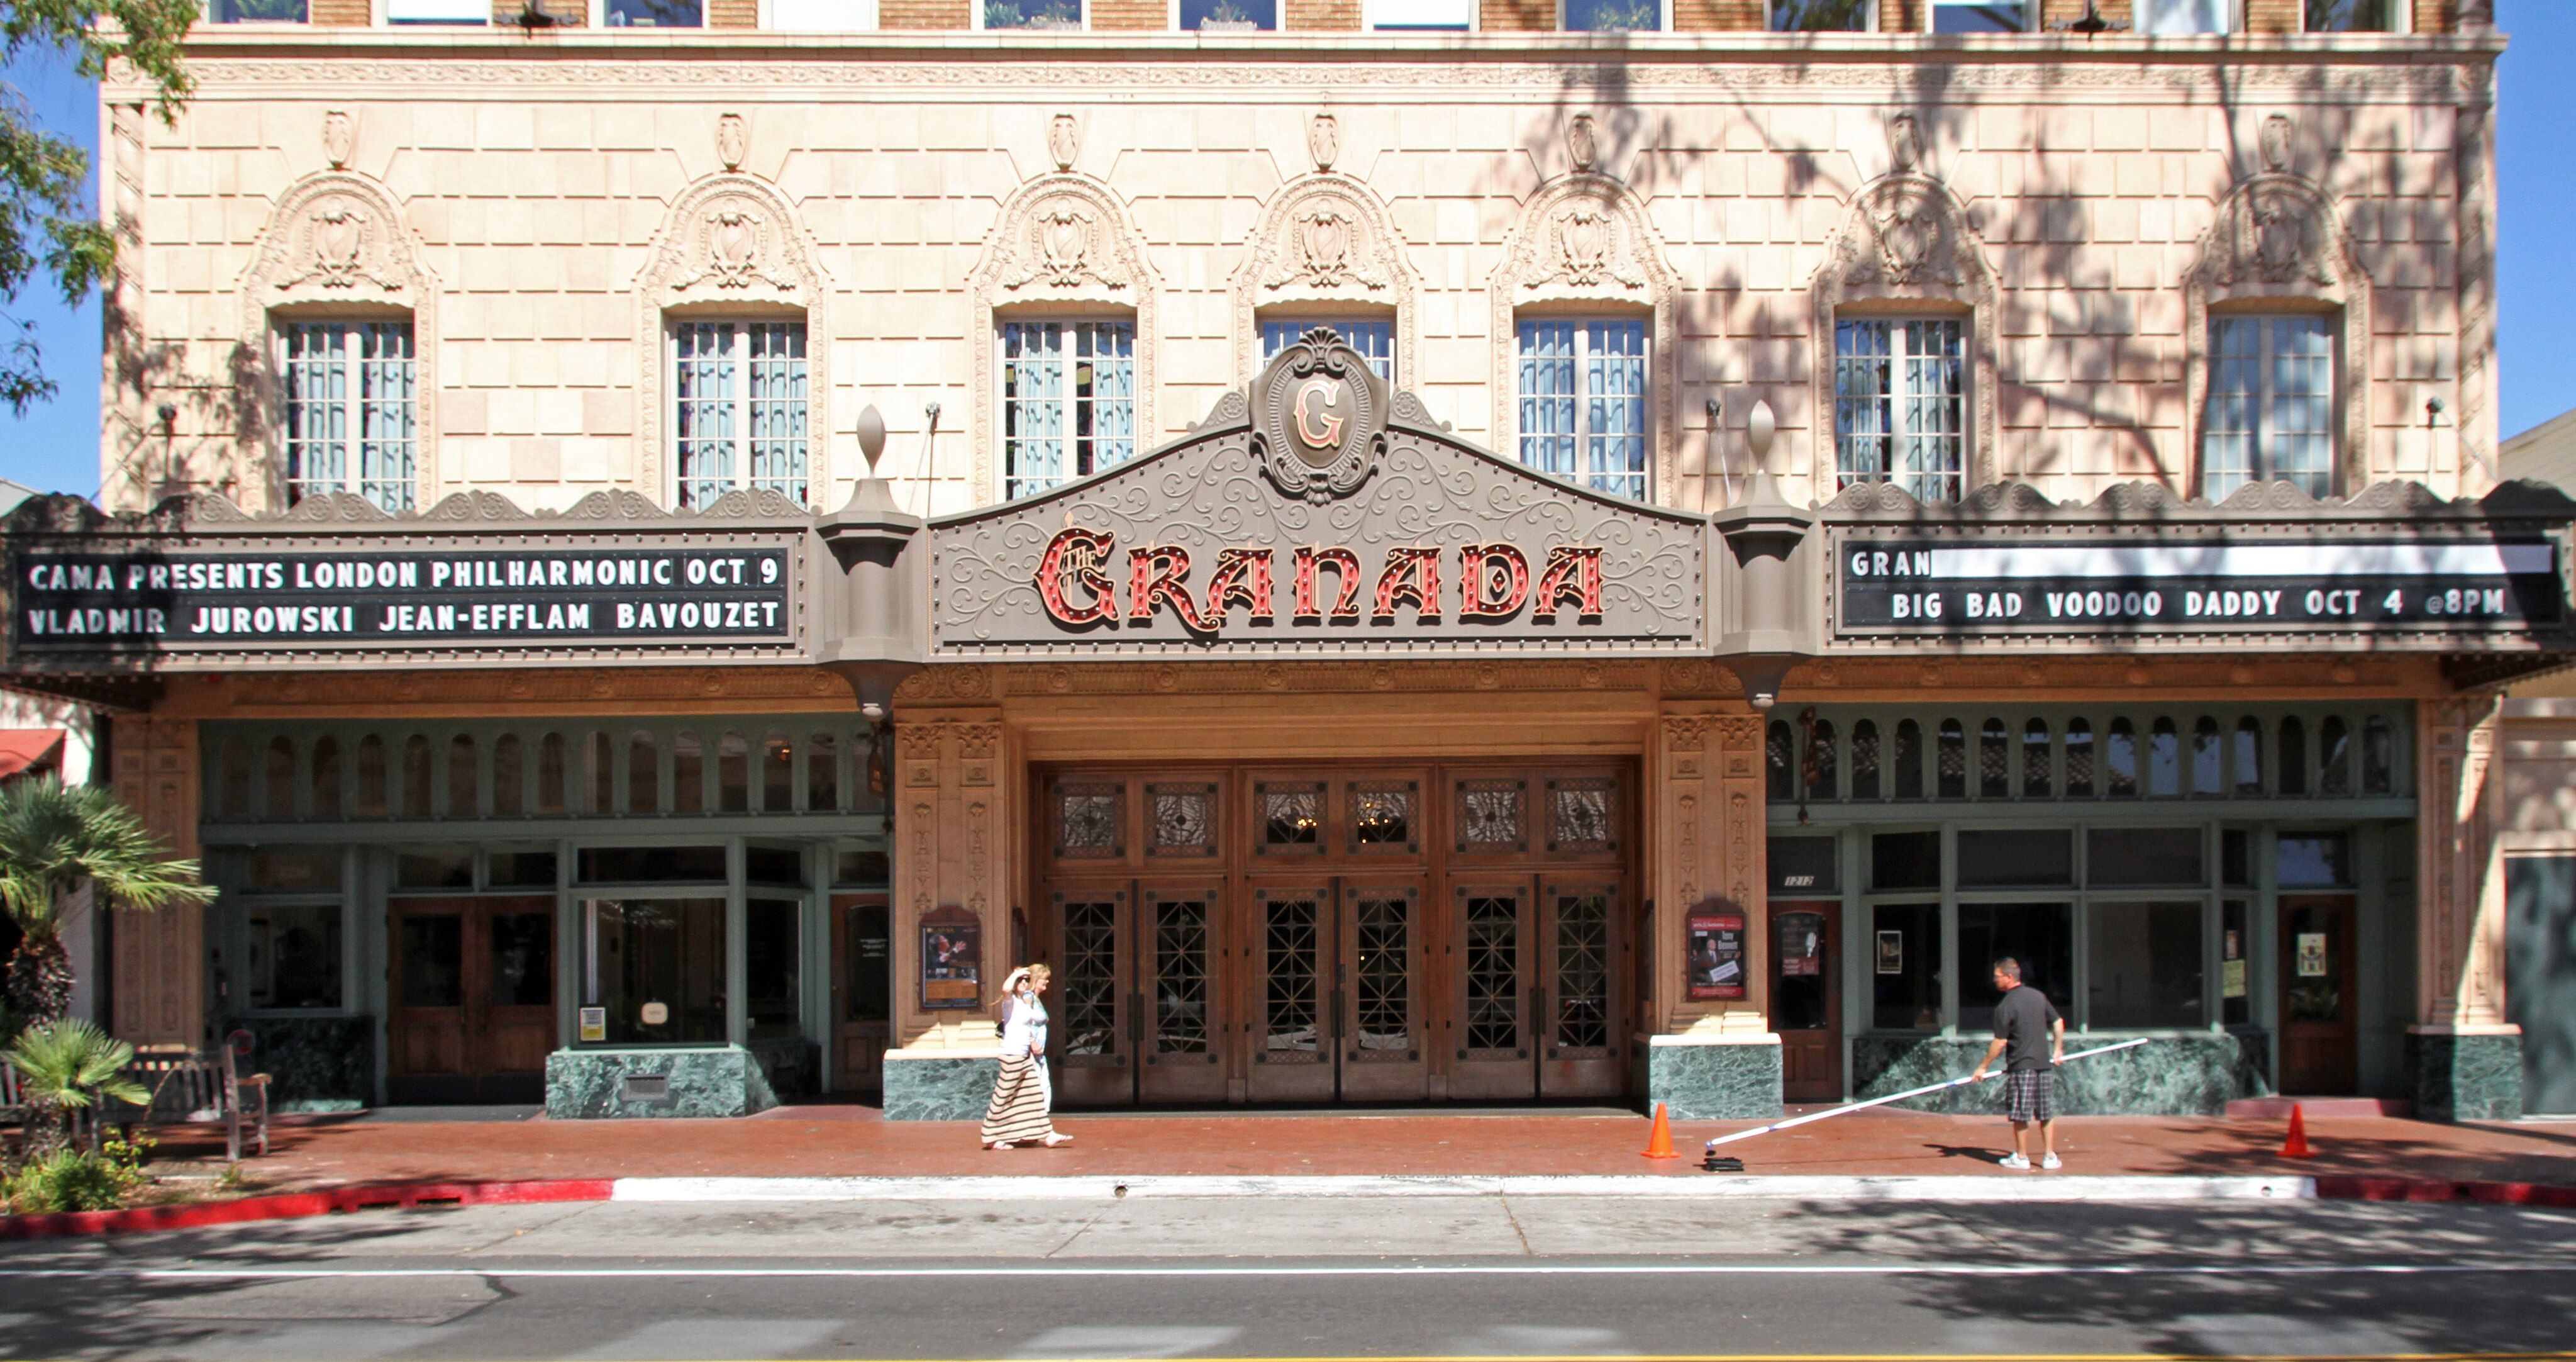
1320	418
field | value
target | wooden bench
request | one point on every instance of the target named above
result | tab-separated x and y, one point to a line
193	1085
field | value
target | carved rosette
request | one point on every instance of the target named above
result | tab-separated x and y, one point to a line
1323	238
730	241
1585	238
1063	237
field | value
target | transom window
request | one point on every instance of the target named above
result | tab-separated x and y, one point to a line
1582	396
1056	15
1901	405
738	409
1981	16
2170	18
1068	401
2356	16
1824	16
351	410
255	11
1614	16
2271	405
1375	340
1224	16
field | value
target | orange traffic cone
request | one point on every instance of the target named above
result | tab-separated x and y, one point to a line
1659	1143
2296	1146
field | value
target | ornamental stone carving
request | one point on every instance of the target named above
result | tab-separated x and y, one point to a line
733	141
1323	141
1064	140
1323	239
1320	413
339	135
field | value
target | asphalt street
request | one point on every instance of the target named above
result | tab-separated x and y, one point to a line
1463	1276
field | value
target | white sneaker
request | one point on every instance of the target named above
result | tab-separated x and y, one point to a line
2014	1161
2050	1162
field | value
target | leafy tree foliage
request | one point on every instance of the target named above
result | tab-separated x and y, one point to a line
53	837
47	224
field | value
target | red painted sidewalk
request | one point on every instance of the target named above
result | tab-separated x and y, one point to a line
315	1152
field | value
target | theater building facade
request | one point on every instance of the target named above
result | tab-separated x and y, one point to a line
1410	566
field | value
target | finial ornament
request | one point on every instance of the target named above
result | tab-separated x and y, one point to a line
1760	426
872	436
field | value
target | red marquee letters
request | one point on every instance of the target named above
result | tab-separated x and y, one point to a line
1493	584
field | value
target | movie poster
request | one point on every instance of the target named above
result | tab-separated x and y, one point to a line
1715	946
952	961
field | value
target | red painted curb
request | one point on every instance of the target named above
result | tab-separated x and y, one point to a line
295	1205
2428	1189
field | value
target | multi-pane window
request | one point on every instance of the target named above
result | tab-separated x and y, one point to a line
1614	16
651	14
1981	16
1061	15
1395	16
1901	405
1374	340
351	415
1582	396
738	416
2356	16
255	11
1068	401
2271	405
823	16
463	12
1225	16
1824	16
2169	18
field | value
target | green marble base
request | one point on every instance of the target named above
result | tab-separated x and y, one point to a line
719	1081
313	1063
1700	1082
939	1087
2466	1078
2193	1075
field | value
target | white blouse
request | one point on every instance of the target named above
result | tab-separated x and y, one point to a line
1024	1027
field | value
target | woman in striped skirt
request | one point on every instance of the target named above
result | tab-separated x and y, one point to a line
1021	1096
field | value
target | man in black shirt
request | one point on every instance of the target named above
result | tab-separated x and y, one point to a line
2031	1038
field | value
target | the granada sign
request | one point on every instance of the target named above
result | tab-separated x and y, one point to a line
1084	585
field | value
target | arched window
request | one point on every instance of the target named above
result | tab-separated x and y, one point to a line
1909	759
2334	757
2079	759
1994	761
2249	756
1952	760
2120	755
415	777
1864	760
2164	759
2294	757
326	777
2208	759
371	777
1821	775
509	792
1781	761
603	774
822	773
733	774
2378	756
643	773
777	774
2034	760
688	774
550	774
232	779
461	774
278	800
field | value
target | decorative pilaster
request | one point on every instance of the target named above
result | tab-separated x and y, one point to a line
948	854
2466	1057
1710	1060
160	957
2473	162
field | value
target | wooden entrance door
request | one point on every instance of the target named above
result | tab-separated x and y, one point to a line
1581	1002
1493	954
1094	1025
1291	953
862	991
1383	1004
1807	999
473	1014
2319	1053
1180	948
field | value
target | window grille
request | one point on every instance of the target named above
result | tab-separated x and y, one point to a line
351	420
1582	395
2271	405
739	417
1375	340
1901	406
1068	401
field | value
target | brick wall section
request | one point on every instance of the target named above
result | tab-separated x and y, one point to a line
1129	15
925	14
1700	16
1518	16
733	13
2272	16
567	13
1323	16
338	13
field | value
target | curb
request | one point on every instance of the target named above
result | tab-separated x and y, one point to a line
2430	1189
298	1205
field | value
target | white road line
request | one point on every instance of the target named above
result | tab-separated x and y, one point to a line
1101	1187
228	1274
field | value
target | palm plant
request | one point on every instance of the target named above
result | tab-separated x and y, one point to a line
61	1067
51	839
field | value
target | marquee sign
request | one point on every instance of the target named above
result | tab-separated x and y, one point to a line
90	602
1314	515
1908	586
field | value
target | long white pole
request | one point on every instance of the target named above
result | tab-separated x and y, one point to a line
1850	1107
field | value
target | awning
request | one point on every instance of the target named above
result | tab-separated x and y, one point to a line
24	748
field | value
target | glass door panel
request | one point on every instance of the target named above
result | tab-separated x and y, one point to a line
517	1028
863	984
1290	948
1493	1049
426	1034
1578	1003
1184	1027
1380	985
1806	999
473	1015
2319	1049
1097	1024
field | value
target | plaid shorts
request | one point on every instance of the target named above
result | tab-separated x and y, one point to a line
2030	1095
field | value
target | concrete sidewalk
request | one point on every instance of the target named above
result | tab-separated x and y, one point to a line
848	1141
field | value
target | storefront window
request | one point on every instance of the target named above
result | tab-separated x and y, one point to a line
822	773
1905	860
291	956
279	799
656	967
865	993
462	776
688	774
777	774
2313	860
2235	963
650	864
733	774
643	774
434	870
2164	760
771	967
2248	758
2039	935
2143	966
522	870
1905	979
2378	756
371	777
2144	856
1803	865
2016	858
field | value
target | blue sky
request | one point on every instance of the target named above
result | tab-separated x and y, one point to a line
55	445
